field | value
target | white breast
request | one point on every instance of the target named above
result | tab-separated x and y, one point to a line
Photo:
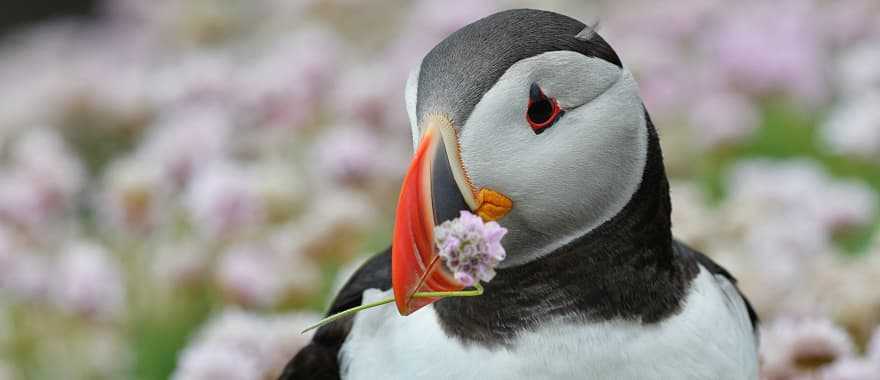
710	339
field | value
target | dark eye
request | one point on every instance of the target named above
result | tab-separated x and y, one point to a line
543	111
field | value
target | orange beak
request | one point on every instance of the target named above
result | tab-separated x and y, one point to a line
435	189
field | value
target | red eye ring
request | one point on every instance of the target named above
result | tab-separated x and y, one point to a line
542	111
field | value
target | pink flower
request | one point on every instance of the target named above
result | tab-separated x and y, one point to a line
282	189
798	195
841	25
857	69
723	118
135	195
177	264
229	346
428	22
249	276
8	251
31	278
285	87
88	281
681	18
239	345
222	200
264	274
853	126
202	77
352	155
55	170
285	338
24	274
187	140
793	347
690	214
662	66
770	46
206	363
21	203
43	181
442	18
471	248
852	369
874	345
372	94
333	213
850	203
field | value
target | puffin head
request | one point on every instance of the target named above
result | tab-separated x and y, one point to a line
525	117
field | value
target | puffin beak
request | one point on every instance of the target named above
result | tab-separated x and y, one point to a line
435	189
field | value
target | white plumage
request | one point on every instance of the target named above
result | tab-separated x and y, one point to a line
711	338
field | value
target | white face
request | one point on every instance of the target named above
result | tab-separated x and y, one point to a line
574	176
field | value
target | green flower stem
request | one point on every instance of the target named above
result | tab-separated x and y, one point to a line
348	312
477	291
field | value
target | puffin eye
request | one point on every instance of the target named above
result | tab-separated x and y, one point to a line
542	112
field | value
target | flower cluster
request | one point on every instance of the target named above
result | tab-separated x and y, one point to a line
795	348
239	345
470	248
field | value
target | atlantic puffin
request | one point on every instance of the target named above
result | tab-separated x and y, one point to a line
529	118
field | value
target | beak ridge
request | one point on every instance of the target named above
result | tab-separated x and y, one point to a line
415	265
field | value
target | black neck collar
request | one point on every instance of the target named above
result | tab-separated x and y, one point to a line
626	268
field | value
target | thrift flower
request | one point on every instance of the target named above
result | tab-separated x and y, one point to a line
247	274
349	155
240	345
792	347
180	263
25	276
857	71
851	369
853	127
222	200
169	141
874	346
133	196
210	363
471	249
88	281
723	118
258	274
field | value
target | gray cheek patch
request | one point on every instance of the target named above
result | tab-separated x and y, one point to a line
574	176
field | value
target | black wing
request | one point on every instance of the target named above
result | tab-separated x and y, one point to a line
716	269
319	360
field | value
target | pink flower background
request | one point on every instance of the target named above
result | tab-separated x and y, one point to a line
184	184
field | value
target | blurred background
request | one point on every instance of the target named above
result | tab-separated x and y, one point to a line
184	183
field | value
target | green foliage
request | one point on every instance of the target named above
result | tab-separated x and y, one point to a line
788	132
161	331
